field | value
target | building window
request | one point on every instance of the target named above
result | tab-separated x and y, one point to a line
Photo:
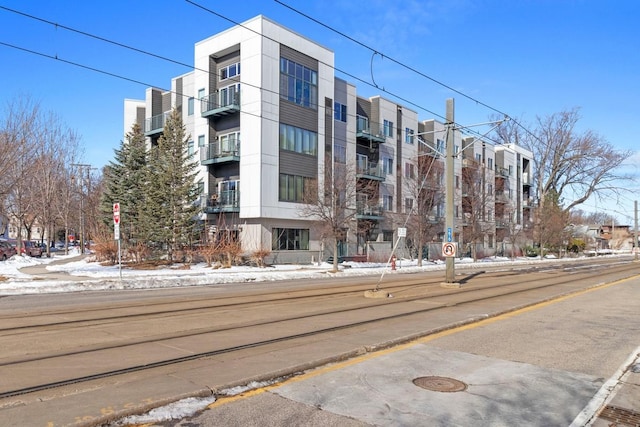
510	170
294	187
230	71
230	143
408	136
440	146
290	239
340	153
340	112
190	148
387	166
229	192
387	202
489	189
200	93
457	181
298	140
388	128
490	163
479	158
229	95
298	84
408	204
200	188
200	140
409	171
190	103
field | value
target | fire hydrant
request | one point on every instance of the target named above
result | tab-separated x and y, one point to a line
393	262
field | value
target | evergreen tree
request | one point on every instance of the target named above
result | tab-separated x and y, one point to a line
124	180
170	193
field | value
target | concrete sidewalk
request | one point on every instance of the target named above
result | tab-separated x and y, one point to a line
40	271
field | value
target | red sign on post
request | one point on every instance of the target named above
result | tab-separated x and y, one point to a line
116	213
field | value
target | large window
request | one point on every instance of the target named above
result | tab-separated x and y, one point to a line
292	188
229	95
339	111
290	239
298	140
190	103
298	84
340	153
408	135
388	128
230	71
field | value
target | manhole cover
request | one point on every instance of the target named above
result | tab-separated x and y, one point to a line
442	384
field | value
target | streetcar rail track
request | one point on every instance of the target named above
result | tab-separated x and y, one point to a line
200	355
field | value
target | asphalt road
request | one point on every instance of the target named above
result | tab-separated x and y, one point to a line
538	366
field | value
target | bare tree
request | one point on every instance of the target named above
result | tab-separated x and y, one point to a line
334	207
55	144
571	164
476	204
426	195
21	132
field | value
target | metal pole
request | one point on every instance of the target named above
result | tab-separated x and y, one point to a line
450	188
635	234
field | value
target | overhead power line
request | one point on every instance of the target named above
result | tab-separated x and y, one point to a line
406	66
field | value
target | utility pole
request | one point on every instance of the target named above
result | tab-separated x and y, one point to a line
449	196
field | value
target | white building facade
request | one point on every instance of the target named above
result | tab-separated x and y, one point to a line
267	118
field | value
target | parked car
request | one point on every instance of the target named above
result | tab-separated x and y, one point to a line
6	250
28	248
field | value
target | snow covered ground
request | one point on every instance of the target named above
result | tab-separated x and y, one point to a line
84	275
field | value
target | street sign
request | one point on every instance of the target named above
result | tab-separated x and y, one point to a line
116	231
449	234
402	232
449	249
116	214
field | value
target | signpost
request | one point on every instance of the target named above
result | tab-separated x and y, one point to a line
116	233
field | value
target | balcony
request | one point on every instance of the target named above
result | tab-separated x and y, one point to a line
502	172
364	131
371	171
218	152
216	105
526	179
501	197
369	212
155	125
527	203
225	201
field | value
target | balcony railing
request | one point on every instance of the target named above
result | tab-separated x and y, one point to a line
215	105
364	211
218	152
370	171
225	201
502	172
155	124
526	179
365	132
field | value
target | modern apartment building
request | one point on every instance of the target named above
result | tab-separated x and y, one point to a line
269	122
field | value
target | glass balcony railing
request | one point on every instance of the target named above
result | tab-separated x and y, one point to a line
218	104
155	124
365	131
218	152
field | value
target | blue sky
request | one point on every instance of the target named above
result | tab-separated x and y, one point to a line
526	58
